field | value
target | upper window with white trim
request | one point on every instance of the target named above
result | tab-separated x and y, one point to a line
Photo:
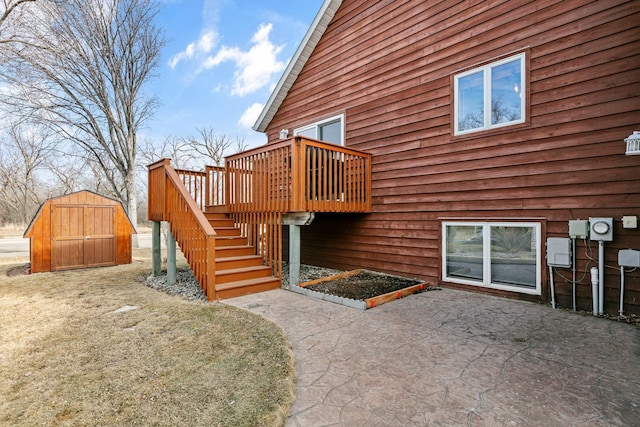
490	96
328	130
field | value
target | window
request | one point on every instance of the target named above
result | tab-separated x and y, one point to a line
328	130
490	96
493	255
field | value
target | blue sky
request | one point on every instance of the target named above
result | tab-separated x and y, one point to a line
221	62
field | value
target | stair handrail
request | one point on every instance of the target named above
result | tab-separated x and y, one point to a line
191	229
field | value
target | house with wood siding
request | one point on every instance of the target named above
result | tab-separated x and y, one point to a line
491	125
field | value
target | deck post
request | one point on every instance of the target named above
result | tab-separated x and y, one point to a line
294	255
294	221
156	258
171	258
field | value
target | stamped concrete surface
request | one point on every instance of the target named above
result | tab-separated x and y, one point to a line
452	358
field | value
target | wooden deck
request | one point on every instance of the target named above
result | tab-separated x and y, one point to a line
228	220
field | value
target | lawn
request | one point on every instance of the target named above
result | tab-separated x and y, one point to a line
75	351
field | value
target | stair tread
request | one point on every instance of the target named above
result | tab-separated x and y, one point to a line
246	283
231	241
238	257
243	269
233	246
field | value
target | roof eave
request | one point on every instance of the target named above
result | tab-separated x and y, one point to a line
297	62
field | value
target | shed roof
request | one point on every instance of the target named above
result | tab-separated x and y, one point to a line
299	59
28	231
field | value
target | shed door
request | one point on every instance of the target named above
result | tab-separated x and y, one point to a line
83	236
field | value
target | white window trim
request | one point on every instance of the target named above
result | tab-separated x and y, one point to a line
486	256
487	98
316	125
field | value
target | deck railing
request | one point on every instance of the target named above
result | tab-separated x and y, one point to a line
299	175
170	200
195	182
215	191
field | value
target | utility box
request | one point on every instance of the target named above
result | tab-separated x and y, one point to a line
559	252
629	221
629	258
578	228
601	229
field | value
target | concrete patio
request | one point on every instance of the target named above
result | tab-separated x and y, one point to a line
452	358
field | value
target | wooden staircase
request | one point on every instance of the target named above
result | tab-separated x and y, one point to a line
238	270
255	189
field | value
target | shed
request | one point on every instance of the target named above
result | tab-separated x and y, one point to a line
79	230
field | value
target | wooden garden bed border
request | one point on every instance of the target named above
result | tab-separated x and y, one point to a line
373	301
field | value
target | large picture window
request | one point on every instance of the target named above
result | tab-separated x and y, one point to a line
493	254
490	96
328	130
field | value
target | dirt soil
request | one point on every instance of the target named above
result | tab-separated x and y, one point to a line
363	285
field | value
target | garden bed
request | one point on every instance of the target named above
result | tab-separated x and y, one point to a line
361	289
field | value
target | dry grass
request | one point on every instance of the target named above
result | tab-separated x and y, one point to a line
67	357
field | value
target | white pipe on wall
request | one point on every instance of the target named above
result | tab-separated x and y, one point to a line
573	268
553	290
621	290
594	289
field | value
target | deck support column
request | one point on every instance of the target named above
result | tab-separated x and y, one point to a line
294	255
294	221
171	258
156	257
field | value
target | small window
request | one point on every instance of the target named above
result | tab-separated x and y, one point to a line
328	130
490	96
493	255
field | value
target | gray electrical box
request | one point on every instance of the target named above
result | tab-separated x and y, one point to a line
559	252
601	229
578	228
629	258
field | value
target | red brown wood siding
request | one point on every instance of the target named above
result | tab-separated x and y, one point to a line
388	65
79	230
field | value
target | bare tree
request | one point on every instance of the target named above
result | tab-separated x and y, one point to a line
69	172
80	67
24	153
10	8
171	147
241	145
212	146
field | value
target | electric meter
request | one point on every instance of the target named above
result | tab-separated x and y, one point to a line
601	229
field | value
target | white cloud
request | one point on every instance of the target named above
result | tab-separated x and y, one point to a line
203	46
255	67
250	115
